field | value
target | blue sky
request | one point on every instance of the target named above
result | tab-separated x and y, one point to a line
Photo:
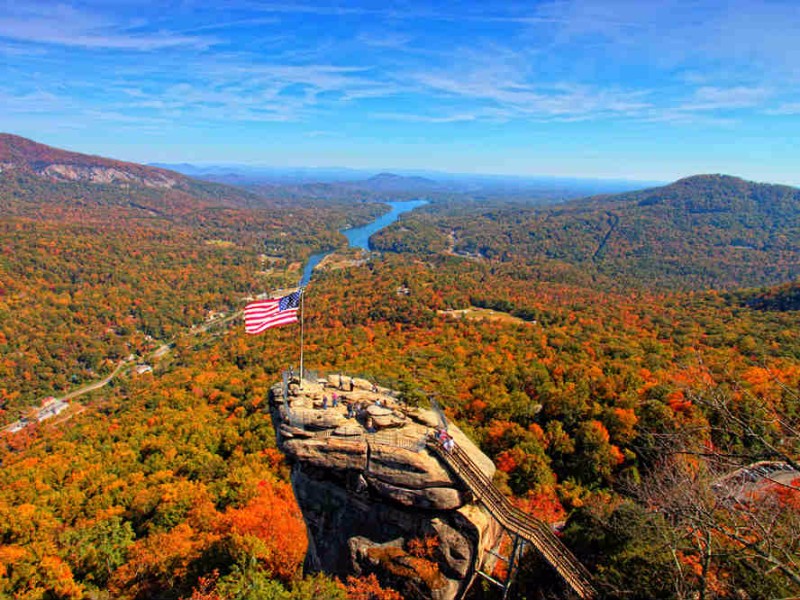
641	89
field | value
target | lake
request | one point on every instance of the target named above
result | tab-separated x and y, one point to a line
358	237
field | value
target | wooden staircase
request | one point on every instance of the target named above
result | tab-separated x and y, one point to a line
521	527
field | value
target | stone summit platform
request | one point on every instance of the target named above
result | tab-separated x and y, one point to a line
370	480
368	485
357	426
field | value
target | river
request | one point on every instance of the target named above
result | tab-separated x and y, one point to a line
358	237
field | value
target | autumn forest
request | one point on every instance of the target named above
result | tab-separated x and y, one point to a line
620	358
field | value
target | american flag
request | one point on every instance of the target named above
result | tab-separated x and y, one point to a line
263	314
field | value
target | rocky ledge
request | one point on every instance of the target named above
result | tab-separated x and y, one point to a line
153	178
373	498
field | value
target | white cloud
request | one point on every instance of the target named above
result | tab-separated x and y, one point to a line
710	98
238	90
787	108
506	85
534	73
385	40
419	118
64	25
36	101
320	133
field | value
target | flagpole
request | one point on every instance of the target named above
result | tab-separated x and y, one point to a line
302	319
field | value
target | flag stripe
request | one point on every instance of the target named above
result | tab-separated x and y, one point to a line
259	314
262	306
263	314
284	318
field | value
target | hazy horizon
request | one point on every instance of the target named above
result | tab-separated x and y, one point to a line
409	172
594	89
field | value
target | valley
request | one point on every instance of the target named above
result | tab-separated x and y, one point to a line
614	356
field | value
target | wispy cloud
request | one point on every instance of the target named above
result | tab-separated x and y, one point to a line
505	84
750	38
35	101
787	108
238	90
455	117
126	118
538	101
385	40
709	98
319	133
516	68
232	24
309	8
527	75
67	26
16	50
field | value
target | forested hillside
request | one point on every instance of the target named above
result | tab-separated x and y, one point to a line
92	273
781	298
699	233
616	411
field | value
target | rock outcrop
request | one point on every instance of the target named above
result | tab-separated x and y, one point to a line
20	154
107	175
373	498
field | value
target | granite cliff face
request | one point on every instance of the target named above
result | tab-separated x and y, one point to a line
20	154
107	175
373	498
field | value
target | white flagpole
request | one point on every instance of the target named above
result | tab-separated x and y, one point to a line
302	319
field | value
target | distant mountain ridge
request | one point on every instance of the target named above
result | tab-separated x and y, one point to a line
701	232
700	194
393	182
30	170
710	230
325	183
21	154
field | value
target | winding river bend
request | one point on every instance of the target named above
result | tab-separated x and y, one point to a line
358	237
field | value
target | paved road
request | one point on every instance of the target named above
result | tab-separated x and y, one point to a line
97	384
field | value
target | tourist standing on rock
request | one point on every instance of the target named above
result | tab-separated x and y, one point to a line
335	399
341	383
352	385
324	402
